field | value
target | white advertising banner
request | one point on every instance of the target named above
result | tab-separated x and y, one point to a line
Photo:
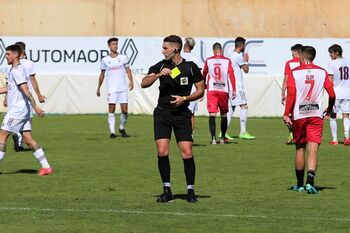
82	55
68	67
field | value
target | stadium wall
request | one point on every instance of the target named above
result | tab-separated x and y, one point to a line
199	18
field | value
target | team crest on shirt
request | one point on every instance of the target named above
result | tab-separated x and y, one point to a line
184	80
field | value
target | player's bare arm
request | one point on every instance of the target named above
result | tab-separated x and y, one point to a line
24	88
199	93
35	85
131	82
149	79
100	81
3	90
245	67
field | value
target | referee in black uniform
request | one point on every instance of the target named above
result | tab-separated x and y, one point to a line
176	77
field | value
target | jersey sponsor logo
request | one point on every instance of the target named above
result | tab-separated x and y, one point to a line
219	85
305	109
184	81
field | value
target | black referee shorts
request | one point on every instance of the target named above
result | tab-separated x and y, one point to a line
166	119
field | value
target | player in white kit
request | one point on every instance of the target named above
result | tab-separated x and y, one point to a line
188	55
19	104
33	87
339	71
115	67
240	63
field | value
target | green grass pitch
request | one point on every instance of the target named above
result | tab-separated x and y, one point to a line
110	185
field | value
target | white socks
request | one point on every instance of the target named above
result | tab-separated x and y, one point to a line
333	124
111	122
243	119
346	122
40	156
229	114
123	120
2	154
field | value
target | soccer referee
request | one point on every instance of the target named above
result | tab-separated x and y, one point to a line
176	78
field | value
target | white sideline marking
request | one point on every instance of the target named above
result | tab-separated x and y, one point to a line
120	211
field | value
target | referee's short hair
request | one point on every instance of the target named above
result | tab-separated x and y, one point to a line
336	49
174	39
110	40
296	47
308	52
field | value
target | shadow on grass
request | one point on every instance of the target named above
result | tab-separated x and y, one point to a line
22	171
183	196
321	188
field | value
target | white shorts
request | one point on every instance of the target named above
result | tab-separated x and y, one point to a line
117	97
14	125
239	100
193	107
342	105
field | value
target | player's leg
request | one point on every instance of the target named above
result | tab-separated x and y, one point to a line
333	126
3	139
193	107
38	153
111	116
123	119
346	123
300	148
299	166
17	142
212	106
162	135
223	106
9	125
314	129
231	110
290	137
243	123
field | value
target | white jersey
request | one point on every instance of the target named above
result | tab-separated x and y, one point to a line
219	70
18	106
30	70
192	57
115	68
309	81
237	63
340	69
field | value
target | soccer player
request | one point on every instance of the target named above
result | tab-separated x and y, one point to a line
19	104
219	71
291	64
240	64
188	55
33	86
176	77
339	72
115	66
304	101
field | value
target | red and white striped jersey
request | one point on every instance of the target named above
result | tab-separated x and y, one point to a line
309	81
220	73
340	69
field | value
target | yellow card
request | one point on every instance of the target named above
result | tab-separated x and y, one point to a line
175	72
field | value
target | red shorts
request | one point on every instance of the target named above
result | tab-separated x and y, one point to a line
308	130
217	100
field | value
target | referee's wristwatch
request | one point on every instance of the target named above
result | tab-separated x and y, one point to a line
184	98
